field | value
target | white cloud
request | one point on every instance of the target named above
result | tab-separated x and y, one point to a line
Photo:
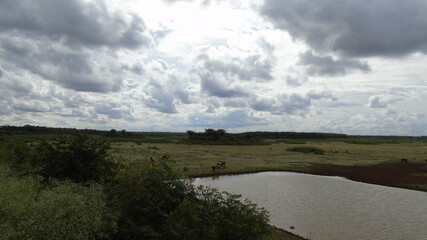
246	65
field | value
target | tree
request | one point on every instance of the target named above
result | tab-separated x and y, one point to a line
158	203
190	133
79	158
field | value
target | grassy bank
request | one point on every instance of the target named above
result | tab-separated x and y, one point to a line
339	158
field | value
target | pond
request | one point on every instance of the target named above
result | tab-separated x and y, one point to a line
329	208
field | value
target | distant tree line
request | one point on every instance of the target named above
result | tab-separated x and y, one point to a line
29	129
208	134
296	135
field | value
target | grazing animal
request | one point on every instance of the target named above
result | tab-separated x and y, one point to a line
425	161
404	160
215	167
220	163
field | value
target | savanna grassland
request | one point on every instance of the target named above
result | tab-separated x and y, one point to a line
378	163
136	156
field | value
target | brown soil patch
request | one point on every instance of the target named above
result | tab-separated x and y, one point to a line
405	175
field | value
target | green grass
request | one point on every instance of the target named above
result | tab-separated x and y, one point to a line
313	150
292	141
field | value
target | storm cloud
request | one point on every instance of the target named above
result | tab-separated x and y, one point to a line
74	22
327	66
294	104
214	87
72	43
353	28
246	69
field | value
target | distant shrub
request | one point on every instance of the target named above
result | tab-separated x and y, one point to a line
313	150
19	156
30	210
292	141
78	157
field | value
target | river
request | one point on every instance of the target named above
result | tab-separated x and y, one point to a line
331	208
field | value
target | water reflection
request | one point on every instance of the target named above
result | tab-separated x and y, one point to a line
328	208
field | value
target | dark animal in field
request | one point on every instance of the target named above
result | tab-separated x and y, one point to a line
214	167
404	160
219	165
425	161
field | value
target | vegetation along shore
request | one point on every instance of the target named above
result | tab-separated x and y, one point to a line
120	185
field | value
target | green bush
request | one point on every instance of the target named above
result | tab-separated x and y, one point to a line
19	156
30	210
157	203
313	150
79	158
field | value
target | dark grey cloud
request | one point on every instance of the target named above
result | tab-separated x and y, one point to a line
112	110
68	69
74	22
5	108
70	100
236	103
296	77
16	86
71	43
136	68
327	66
234	119
159	98
247	69
353	28
382	101
28	109
1	73
294	104
202	2
214	87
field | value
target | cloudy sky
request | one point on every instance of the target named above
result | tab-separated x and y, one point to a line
357	67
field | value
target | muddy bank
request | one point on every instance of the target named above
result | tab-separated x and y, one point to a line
400	174
403	175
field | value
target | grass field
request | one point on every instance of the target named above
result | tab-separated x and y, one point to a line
377	163
197	160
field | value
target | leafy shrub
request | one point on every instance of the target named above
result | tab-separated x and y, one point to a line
145	194
79	158
313	150
19	156
155	202
30	210
209	214
292	141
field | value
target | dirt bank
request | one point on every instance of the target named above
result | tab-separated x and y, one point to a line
400	174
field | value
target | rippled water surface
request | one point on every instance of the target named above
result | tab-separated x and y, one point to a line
328	208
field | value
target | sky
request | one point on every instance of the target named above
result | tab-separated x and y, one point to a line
343	66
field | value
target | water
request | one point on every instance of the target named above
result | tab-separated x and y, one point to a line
329	208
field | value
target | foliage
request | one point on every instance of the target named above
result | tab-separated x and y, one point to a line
157	203
79	158
298	135
19	156
30	210
209	134
313	150
292	141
